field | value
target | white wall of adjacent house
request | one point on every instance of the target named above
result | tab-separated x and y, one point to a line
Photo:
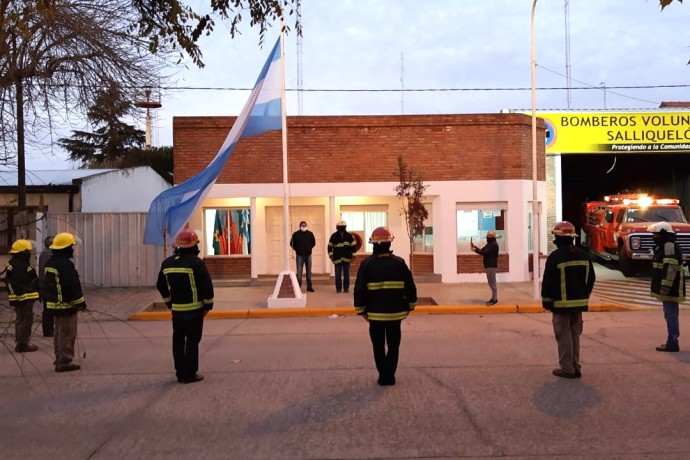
126	190
324	203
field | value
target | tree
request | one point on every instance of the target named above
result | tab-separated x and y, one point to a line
410	191
665	3
112	139
55	58
114	143
172	21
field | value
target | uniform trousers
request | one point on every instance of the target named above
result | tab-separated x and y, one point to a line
567	328
188	328
24	321
672	325
64	338
342	269
384	333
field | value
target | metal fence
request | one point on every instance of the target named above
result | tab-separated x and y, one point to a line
111	252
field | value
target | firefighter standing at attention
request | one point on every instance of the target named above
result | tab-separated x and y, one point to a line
22	283
64	298
384	295
341	250
668	280
187	290
566	287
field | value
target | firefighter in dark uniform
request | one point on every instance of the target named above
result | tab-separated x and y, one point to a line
566	287
384	295
22	284
187	290
64	298
341	250
668	280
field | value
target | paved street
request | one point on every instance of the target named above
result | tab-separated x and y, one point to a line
469	386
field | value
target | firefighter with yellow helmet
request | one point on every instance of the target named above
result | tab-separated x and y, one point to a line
63	296
384	295
567	284
186	287
22	284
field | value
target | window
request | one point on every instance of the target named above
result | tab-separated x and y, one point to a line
473	225
227	231
424	241
363	223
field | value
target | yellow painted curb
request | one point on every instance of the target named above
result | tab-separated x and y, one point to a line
350	311
308	311
464	309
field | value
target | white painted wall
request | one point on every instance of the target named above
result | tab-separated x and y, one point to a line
126	190
444	196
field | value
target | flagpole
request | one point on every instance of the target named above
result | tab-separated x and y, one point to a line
283	114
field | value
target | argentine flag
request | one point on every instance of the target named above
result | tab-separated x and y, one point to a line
172	209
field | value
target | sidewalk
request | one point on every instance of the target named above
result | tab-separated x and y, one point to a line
251	301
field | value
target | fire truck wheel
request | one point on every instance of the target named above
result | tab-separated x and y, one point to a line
628	267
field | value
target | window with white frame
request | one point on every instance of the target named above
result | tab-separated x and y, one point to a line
363	220
227	231
475	221
424	240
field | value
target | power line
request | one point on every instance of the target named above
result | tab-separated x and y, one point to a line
397	90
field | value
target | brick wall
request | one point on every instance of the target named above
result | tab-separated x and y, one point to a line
473	263
321	149
422	263
220	267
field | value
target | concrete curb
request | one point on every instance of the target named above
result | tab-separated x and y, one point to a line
350	311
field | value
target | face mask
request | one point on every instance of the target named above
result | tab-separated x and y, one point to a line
304	229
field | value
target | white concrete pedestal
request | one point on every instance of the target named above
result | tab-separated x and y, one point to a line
290	296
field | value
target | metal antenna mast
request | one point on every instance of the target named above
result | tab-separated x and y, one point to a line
568	76
300	79
402	84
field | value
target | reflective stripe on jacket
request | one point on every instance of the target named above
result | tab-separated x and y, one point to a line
341	247
63	288
22	280
568	280
185	284
384	288
668	273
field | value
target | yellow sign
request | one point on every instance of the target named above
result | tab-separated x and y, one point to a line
617	132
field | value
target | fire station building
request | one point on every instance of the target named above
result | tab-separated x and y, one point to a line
478	169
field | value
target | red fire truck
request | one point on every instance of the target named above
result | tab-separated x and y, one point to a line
616	228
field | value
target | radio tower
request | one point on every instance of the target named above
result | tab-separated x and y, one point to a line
300	80
568	76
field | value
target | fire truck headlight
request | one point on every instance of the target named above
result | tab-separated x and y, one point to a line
635	242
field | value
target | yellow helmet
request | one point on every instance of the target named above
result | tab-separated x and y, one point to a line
20	246
63	240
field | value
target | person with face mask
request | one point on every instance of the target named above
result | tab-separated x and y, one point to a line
490	258
668	280
567	284
64	298
187	289
302	242
22	284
